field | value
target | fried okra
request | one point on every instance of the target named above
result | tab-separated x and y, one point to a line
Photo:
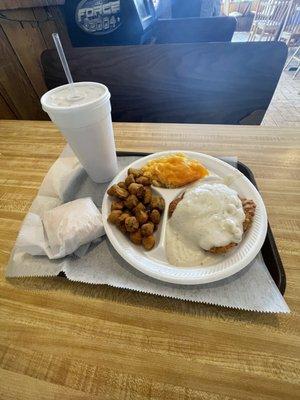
121	219
136	237
114	215
134	210
131	202
117	205
141	216
135	172
143	180
136	189
147	229
148	242
122	185
140	206
157	203
117	191
155	216
129	179
131	224
123	228
147	195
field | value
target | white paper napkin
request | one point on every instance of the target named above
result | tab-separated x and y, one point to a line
251	289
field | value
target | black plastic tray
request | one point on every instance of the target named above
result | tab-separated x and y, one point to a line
269	249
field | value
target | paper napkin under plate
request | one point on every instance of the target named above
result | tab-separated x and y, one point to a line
98	263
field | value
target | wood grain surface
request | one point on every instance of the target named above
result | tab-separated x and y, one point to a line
6	111
13	4
28	44
60	339
185	82
15	86
21	45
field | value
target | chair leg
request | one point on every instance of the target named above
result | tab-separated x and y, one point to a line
291	59
288	63
252	34
296	73
262	35
261	32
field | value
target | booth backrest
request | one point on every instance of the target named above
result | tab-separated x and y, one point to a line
194	30
209	83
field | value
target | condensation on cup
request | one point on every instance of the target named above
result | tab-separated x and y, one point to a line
82	112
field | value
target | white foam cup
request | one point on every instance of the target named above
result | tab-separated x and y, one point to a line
86	124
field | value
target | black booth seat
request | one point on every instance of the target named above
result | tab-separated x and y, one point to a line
209	83
194	30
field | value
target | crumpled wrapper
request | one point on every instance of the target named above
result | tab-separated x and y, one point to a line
98	263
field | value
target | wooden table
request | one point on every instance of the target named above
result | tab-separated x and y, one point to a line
67	340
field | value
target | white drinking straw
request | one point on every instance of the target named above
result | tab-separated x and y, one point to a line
64	62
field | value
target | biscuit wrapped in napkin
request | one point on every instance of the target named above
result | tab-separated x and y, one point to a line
71	225
62	230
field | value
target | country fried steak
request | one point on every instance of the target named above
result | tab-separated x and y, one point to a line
249	209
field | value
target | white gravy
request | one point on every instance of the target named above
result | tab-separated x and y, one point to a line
209	215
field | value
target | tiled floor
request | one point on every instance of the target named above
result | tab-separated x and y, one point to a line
284	109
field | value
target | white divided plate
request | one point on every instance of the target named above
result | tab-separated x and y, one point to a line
231	263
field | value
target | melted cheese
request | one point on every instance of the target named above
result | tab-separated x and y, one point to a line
174	171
